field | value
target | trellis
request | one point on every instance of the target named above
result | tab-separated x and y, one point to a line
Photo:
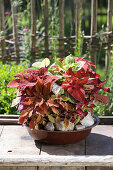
93	39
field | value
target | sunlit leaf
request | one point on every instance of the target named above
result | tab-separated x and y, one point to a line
51	118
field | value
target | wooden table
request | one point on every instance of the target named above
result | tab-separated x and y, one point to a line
18	151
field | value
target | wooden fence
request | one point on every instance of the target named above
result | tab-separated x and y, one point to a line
66	44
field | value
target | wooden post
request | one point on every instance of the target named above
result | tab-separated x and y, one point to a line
109	28
2	30
61	34
46	27
15	31
94	6
78	16
33	29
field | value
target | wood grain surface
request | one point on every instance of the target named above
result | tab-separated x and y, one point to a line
17	168
18	151
16	140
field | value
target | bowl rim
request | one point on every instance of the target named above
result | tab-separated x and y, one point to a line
96	119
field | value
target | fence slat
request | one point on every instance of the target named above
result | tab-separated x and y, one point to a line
78	16
109	28
33	29
94	4
2	30
15	31
61	33
46	27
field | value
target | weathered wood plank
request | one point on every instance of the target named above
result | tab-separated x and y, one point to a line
106	120
15	140
109	28
46	15
9	116
36	160
2	30
17	168
61	34
72	149
97	168
100	141
15	30
93	27
33	29
61	168
8	121
78	16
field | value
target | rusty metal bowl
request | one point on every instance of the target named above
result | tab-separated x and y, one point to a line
61	137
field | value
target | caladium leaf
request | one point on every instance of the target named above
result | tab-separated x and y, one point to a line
37	65
15	101
43	63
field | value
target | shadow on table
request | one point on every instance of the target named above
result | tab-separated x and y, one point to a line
70	149
97	144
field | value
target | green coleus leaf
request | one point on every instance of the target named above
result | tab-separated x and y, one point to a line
51	118
77	119
59	64
68	60
78	66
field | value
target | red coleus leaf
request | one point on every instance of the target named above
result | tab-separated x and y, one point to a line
28	100
14	83
39	86
101	98
82	81
43	109
50	78
39	102
54	110
65	85
52	103
47	89
106	89
22	119
77	92
32	124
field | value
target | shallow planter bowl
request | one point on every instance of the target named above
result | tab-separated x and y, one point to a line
62	137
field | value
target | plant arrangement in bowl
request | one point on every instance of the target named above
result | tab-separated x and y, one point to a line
56	101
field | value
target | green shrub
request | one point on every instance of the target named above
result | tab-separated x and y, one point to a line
6	93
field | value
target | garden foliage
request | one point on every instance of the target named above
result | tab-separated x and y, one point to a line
7	94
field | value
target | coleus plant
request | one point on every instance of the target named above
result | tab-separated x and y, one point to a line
66	90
